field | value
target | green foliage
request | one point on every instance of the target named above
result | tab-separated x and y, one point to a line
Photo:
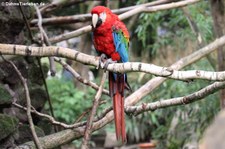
156	30
68	102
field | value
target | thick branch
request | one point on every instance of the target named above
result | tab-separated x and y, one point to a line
176	101
124	67
125	16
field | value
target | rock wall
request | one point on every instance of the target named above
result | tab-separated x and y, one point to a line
14	128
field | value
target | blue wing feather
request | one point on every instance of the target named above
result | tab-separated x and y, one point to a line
121	45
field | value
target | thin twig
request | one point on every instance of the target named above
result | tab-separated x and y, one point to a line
38	59
195	29
27	25
78	77
44	38
29	117
48	117
83	115
59	4
87	111
88	128
52	120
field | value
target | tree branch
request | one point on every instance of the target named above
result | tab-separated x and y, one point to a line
48	117
59	4
169	72
44	42
44	39
88	128
125	16
27	24
78	77
176	101
52	120
145	9
87	17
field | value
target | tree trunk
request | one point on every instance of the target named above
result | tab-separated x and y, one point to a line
218	15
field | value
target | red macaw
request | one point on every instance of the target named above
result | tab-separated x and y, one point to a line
111	38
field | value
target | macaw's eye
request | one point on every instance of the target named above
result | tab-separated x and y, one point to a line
102	16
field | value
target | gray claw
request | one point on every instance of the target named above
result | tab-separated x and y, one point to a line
107	62
103	57
104	61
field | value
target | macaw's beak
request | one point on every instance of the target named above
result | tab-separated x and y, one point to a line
96	21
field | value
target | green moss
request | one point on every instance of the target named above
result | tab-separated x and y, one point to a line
5	97
8	125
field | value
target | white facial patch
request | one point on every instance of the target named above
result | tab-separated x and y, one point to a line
102	16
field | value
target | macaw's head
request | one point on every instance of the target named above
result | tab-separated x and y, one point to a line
100	15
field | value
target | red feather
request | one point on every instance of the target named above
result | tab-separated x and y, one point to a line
116	89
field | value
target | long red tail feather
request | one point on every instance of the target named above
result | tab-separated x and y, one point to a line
116	88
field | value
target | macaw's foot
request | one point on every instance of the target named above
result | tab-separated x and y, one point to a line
101	61
107	62
104	61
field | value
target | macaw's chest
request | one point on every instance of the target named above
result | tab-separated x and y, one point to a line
104	43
